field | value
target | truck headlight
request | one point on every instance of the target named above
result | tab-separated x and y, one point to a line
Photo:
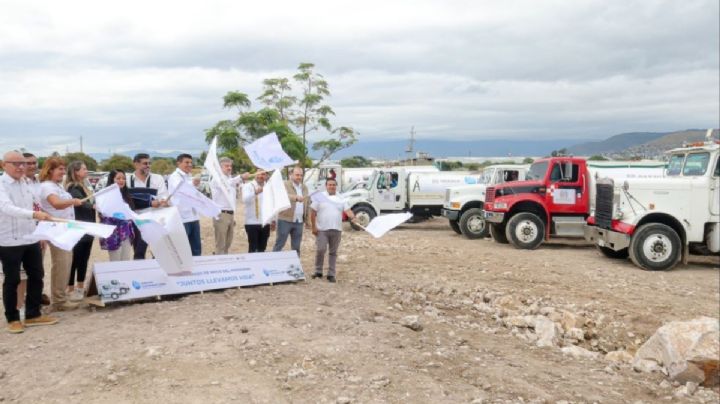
500	205
455	205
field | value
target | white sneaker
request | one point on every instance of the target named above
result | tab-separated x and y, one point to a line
78	294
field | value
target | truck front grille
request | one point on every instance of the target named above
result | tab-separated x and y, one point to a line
490	195
604	205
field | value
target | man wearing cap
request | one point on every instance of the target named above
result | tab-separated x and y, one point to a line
18	218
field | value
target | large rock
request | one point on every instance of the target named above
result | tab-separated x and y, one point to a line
547	331
689	351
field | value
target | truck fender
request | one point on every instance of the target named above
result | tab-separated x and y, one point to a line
532	203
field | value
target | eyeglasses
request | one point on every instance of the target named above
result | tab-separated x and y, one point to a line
17	163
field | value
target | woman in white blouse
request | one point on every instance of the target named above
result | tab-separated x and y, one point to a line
56	201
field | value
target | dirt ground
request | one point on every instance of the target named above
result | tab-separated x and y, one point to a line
313	341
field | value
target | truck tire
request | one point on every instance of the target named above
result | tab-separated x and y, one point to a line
473	224
655	247
610	253
497	231
363	215
525	231
455	226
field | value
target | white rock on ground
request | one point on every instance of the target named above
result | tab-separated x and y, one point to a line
688	350
578	352
547	331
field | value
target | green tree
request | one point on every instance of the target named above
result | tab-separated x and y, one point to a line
293	118
162	166
356	161
597	157
118	161
473	166
90	162
528	160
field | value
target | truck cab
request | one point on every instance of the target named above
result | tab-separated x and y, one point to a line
463	205
660	222
552	201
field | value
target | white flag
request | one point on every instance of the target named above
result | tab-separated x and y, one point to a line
163	230
275	198
267	153
383	224
212	165
320	196
65	235
110	203
186	195
58	234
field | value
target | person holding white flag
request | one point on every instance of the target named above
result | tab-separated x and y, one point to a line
189	215
292	220
252	194
326	219
119	244
224	192
148	190
56	201
18	217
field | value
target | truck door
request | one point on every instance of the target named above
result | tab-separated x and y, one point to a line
566	193
389	191
715	190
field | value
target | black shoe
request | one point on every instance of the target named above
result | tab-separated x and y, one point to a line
317	275
331	279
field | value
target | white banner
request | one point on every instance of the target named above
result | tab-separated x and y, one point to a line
275	198
109	203
267	153
383	224
212	165
126	280
164	232
186	195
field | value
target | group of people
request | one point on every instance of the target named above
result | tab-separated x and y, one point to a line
60	192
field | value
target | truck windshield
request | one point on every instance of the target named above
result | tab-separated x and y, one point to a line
674	166
371	180
537	171
485	176
696	164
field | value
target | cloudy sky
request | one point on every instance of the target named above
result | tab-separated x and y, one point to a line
151	74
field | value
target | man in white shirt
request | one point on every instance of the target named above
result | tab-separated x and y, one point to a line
190	218
147	190
18	221
290	221
224	193
252	194
326	219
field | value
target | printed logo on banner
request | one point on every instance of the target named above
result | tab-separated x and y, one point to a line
136	285
113	289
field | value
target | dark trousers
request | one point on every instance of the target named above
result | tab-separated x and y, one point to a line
139	245
81	256
258	236
192	229
30	257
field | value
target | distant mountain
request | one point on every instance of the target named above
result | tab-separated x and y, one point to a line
614	144
645	144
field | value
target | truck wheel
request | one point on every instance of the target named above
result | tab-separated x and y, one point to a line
655	247
473	224
363	215
455	226
497	231
525	231
610	253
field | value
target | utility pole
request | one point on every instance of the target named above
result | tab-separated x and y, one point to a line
411	144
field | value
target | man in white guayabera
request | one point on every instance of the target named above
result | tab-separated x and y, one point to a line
18	218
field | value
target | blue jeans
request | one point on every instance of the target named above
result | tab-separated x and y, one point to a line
294	230
192	229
